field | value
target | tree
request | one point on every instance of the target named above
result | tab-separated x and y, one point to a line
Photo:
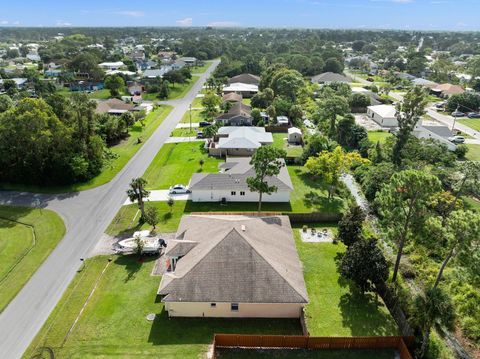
137	192
365	264
163	90
151	216
138	245
408	113
431	307
86	63
288	84
267	162
358	101
330	108
358	45
211	102
170	203
333	65
210	131
201	162
330	165
173	77
350	226
401	202
5	103
466	102
114	83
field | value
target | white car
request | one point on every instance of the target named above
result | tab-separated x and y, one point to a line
178	189
457	139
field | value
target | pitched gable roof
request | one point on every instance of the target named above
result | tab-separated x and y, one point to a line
238	109
237	259
245	79
330	77
113	105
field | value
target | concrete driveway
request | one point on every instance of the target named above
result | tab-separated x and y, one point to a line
163	195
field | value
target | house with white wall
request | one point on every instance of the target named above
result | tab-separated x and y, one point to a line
239	141
384	115
439	133
230	184
233	267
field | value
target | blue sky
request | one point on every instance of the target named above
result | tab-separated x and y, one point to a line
397	14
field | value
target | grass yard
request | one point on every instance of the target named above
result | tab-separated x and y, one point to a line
473	123
378	136
473	153
176	162
176	90
197	116
280	141
113	323
336	308
27	236
124	150
185	132
310	354
472	203
201	69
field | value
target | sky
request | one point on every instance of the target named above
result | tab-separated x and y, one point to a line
459	15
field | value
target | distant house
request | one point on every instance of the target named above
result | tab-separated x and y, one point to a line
191	61
384	115
294	135
448	90
111	65
20	82
52	72
424	83
154	73
329	77
178	64
33	57
135	89
230	184
232	97
233	266
246	90
245	79
238	115
239	141
113	107
439	133
282	121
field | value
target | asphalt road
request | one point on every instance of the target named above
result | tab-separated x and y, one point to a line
86	214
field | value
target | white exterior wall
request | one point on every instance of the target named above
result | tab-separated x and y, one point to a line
382	121
421	132
294	138
217	195
245	310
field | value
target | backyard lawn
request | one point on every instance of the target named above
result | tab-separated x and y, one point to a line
114	324
185	132
280	141
124	150
473	153
197	116
378	136
27	236
336	308
176	90
473	123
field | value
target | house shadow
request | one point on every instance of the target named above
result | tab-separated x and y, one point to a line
133	263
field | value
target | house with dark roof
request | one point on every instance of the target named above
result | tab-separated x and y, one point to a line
245	79
329	77
232	267
113	107
232	97
435	132
238	115
230	184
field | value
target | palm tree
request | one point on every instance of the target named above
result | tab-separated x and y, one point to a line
137	192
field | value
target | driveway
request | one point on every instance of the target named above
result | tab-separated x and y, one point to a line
187	125
449	121
86	214
183	139
162	195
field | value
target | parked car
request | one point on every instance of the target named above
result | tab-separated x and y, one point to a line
458	114
440	104
178	189
473	115
204	124
200	134
457	139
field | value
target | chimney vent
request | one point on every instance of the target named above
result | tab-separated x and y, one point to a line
243	228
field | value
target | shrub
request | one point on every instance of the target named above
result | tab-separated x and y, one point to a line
461	151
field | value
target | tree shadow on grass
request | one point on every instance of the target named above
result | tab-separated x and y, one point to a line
320	202
10	215
133	263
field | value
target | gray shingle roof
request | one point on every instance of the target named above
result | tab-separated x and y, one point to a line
245	79
330	77
238	259
238	109
442	131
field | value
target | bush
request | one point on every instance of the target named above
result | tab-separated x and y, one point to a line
461	151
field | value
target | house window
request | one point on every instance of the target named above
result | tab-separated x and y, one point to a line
242	193
213	305
234	307
233	193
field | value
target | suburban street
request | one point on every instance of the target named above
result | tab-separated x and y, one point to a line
86	214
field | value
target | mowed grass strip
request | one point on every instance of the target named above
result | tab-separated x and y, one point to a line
473	123
176	90
20	256
378	136
114	322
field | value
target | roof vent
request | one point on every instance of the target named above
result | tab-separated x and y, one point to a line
243	228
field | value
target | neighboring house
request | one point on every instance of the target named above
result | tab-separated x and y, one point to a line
239	141
154	73
424	83
439	133
135	89
448	89
405	76
238	115
178	64
384	115
20	82
52	72
230	184
245	79
233	266
282	121
246	90
34	57
232	97
329	77
113	107
111	65
294	135
147	107
191	61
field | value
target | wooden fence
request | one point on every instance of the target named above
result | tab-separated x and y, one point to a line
306	342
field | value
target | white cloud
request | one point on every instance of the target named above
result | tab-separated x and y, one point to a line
3	22
16	22
63	23
131	13
188	21
223	24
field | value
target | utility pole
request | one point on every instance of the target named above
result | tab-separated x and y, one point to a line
455	118
190	112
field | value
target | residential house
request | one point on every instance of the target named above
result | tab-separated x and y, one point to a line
447	90
294	135
113	107
154	73
230	184
191	61
384	115
20	82
439	133
135	89
329	77
239	141
178	64
232	97
34	57
238	115
245	79
424	83
282	121
111	65
246	90
233	266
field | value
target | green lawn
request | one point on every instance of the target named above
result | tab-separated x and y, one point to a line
100	95
247	101
310	354
336	308
27	236
197	116
472	203
124	150
201	69
473	123
197	102
113	323
473	153
176	90
280	141
378	136
184	132
176	162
